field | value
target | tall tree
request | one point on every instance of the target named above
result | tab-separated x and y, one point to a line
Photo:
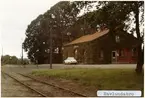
122	11
140	61
114	14
56	20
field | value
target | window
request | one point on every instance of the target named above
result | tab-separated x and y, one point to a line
101	54
76	52
121	52
113	54
117	39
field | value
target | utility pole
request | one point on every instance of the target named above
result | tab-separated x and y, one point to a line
50	49
51	46
22	56
2	57
84	19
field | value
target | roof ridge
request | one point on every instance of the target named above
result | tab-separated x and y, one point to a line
88	37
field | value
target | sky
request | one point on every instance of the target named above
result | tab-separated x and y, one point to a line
15	16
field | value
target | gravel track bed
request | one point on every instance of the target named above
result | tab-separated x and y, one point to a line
11	88
48	90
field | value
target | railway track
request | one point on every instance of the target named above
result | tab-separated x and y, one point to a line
27	86
42	88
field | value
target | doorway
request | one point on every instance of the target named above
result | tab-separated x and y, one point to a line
114	57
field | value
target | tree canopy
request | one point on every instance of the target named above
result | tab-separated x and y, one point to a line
7	59
56	20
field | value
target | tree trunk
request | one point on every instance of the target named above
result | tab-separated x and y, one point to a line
140	59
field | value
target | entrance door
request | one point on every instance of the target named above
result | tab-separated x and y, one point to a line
114	56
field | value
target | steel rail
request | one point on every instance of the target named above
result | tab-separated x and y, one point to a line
81	95
43	95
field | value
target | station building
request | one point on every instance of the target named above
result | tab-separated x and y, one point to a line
103	47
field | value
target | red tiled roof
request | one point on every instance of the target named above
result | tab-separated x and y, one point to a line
88	38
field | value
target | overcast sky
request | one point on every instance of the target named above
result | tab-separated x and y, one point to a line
15	16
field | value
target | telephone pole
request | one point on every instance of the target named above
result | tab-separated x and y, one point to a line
2	57
51	46
84	19
22	55
50	49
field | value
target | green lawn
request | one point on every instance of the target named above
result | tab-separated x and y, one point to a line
118	79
